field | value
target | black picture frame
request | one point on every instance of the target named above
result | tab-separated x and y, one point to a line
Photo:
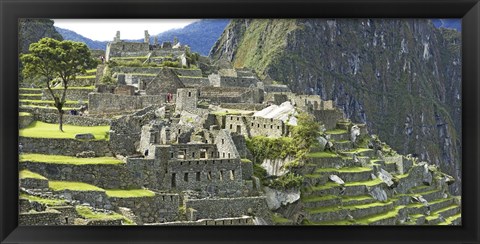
11	10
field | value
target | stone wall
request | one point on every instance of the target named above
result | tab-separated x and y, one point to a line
107	103
231	94
244	106
49	117
328	117
25	121
102	175
245	220
49	217
126	49
255	126
276	88
194	81
187	99
125	132
228	207
72	94
67	147
144	171
156	70
159	208
225	145
227	81
33	183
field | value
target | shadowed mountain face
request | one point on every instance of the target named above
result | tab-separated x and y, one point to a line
401	77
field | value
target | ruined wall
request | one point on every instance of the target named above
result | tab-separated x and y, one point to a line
126	49
187	99
67	147
231	94
255	126
225	145
227	81
156	70
107	103
228	207
96	199
159	208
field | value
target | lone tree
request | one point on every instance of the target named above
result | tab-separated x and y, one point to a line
57	60
306	132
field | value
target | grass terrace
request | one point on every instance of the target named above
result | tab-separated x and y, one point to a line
88	213
24	174
22	114
72	186
67	102
60	159
45	130
130	193
86	77
336	132
46	201
322	155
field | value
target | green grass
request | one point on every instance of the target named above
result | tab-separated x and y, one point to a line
322	155
336	132
46	201
60	159
358	150
44	130
32	95
449	220
29	174
130	193
344	170
324	209
373	218
365	183
369	205
30	89
245	160
47	101
276	218
88	213
73	186
22	114
86	77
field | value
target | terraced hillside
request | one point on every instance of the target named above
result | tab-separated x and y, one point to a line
376	189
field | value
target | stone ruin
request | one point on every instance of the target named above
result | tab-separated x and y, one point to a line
181	134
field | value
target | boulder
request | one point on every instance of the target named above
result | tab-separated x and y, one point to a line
385	177
275	198
336	179
378	193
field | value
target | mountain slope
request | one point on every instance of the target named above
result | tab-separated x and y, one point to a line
73	36
200	36
401	77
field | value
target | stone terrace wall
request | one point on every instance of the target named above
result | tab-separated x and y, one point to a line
255	126
67	147
105	103
50	217
72	94
226	81
160	208
105	176
96	199
144	171
46	117
228	207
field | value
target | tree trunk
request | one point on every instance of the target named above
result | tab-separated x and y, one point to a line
60	120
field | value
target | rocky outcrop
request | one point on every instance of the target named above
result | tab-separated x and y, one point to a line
400	77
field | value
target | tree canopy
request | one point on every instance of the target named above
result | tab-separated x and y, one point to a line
53	59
